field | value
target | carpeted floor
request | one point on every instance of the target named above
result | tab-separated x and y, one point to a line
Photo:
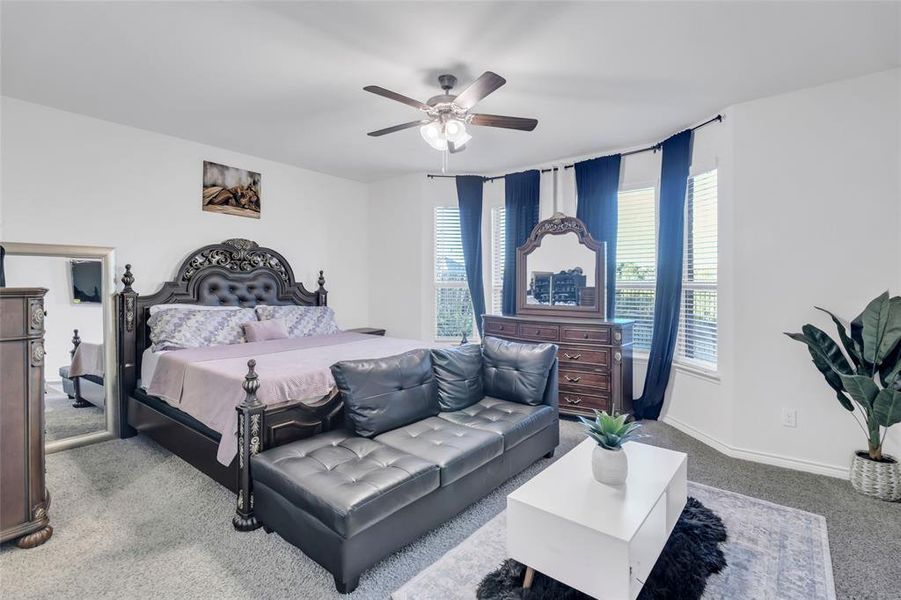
62	420
131	520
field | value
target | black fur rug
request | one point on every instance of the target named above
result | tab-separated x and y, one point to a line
689	557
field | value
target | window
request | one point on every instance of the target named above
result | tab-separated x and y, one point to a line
697	341
636	262
498	250
453	305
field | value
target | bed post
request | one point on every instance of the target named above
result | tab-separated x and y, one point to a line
76	381
126	313
250	442
321	293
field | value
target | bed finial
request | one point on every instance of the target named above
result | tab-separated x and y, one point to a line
128	279
250	442
321	293
75	342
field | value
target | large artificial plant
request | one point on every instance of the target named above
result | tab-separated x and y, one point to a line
866	377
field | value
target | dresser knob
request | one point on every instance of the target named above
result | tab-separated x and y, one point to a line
501	328
572	400
618	357
572	379
617	336
572	357
584	336
537	332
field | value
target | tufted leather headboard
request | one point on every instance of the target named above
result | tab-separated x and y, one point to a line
237	272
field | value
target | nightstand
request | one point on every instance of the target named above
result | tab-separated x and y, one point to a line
368	330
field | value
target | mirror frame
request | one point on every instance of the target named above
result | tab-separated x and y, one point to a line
560	224
107	256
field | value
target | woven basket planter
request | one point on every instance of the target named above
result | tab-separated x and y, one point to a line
877	479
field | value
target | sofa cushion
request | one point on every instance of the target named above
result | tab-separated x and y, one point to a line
515	371
346	482
515	422
456	449
385	393
458	373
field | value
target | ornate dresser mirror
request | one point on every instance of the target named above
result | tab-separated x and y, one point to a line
561	271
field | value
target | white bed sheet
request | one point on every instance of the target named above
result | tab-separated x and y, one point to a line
149	361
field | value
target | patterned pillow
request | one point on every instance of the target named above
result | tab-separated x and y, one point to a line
301	320
175	328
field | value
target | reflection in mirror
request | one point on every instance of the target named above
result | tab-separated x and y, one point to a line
560	272
73	340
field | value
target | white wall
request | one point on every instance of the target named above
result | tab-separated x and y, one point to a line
817	198
63	315
71	179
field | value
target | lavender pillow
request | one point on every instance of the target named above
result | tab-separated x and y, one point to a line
261	331
174	328
301	320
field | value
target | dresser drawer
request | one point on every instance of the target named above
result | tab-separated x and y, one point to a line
571	356
591	382
500	327
583	402
538	331
599	335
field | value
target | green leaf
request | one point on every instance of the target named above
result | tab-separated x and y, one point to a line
849	344
862	388
892	335
887	407
823	365
890	368
872	323
829	349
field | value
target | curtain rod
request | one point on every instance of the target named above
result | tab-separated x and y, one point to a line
654	148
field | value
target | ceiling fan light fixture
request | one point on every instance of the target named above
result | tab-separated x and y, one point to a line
432	134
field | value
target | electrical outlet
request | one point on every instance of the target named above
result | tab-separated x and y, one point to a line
789	417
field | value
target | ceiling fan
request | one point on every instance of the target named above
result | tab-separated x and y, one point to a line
446	115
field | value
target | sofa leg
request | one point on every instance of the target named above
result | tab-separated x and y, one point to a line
346	587
549	454
267	529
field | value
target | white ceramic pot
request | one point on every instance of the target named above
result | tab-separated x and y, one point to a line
877	479
609	466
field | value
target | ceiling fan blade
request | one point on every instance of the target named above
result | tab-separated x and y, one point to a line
400	127
395	96
478	89
454	149
505	122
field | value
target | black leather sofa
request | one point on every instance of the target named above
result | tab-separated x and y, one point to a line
428	433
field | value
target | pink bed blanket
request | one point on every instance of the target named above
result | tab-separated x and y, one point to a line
206	382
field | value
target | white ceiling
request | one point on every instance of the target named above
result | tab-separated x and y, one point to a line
283	80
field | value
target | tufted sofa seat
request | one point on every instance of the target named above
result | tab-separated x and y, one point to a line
514	422
456	449
423	439
346	482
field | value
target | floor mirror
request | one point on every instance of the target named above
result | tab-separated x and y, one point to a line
80	389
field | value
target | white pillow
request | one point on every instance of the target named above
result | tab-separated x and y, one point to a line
158	307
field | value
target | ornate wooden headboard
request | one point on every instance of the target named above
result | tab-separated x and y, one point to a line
236	272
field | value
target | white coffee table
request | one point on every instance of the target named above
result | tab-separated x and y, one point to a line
598	539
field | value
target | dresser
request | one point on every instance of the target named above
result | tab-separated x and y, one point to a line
24	500
595	357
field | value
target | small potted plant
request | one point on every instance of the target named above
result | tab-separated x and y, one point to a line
867	383
609	463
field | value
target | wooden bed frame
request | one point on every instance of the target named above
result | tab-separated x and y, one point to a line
237	272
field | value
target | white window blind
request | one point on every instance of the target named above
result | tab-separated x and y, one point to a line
697	341
498	250
453	305
636	266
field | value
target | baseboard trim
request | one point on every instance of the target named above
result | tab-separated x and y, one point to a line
766	458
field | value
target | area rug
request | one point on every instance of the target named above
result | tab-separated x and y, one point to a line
691	555
773	551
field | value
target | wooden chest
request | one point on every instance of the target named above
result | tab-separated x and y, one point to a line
595	357
23	498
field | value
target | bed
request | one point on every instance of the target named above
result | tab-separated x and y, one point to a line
216	406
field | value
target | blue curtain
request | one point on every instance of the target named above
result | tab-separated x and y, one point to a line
670	243
521	203
597	184
469	198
